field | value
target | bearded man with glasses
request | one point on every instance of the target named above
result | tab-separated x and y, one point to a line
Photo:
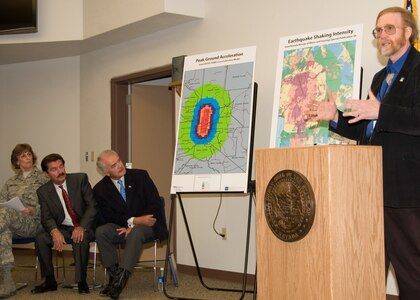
390	118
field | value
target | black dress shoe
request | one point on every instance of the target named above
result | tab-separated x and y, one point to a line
104	292
44	287
118	283
83	287
112	272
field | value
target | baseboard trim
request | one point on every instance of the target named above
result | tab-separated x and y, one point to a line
231	276
216	274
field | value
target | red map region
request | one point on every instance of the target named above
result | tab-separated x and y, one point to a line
204	121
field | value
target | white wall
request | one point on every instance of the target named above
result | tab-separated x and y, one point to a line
105	15
228	24
40	105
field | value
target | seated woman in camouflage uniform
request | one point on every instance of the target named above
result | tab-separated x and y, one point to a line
25	223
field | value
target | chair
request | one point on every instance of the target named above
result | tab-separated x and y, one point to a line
17	240
154	240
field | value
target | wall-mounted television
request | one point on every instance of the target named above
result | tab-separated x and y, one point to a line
18	16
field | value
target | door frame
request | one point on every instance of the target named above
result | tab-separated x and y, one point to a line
119	113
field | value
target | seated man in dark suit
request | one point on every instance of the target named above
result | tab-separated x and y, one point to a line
129	204
68	211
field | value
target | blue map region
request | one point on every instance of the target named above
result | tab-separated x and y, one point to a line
214	119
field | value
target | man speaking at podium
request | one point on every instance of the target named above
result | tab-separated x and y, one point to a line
390	118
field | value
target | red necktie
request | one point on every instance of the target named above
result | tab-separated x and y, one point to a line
70	210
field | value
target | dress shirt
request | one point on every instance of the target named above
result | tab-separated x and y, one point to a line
117	185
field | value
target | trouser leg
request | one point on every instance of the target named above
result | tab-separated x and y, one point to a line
81	257
134	244
8	287
43	249
7	217
402	245
106	236
6	253
13	222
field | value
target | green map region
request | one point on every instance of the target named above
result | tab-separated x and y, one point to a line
215	120
308	74
206	121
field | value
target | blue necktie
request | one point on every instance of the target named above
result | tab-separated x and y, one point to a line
122	190
386	85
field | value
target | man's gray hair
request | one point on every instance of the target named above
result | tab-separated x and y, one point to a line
99	160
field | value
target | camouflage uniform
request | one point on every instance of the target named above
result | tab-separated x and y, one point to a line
14	222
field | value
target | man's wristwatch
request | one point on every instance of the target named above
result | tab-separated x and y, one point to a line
130	222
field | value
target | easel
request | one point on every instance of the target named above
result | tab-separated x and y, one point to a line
251	192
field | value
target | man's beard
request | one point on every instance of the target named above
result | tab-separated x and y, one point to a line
392	48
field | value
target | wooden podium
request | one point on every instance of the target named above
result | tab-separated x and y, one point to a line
342	255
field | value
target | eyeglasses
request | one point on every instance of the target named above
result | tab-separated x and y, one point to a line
389	29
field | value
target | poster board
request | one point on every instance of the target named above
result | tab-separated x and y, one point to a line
213	141
309	65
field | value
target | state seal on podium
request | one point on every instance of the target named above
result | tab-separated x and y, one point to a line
289	205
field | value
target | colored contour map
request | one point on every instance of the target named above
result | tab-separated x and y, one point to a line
205	121
214	126
308	73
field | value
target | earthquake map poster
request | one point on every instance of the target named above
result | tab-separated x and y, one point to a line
310	65
214	122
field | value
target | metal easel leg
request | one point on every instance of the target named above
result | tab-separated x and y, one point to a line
243	290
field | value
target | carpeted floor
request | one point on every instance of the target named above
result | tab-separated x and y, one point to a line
140	284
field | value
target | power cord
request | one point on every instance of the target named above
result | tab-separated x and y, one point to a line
215	218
